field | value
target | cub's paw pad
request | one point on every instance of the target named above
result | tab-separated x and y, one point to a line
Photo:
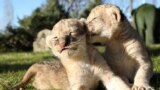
141	88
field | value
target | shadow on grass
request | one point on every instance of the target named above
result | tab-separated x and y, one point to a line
155	81
154	50
13	67
7	67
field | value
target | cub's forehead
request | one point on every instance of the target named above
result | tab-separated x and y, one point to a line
95	12
67	25
103	7
99	11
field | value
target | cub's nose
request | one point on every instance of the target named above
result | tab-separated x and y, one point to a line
89	26
64	42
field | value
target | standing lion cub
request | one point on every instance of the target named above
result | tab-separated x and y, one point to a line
85	67
125	52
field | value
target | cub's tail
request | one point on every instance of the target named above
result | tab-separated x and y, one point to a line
31	72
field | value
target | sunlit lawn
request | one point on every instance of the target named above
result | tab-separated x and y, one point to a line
14	65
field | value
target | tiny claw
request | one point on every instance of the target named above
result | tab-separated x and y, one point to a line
134	88
141	88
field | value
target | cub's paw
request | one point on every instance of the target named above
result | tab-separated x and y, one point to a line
142	88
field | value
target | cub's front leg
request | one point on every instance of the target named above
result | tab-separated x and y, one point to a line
79	87
113	82
142	77
109	79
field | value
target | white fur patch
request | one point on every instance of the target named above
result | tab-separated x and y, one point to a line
106	33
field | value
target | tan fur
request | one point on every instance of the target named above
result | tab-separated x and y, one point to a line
83	64
125	52
47	75
39	45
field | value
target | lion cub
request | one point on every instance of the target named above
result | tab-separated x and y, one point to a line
47	76
85	67
125	53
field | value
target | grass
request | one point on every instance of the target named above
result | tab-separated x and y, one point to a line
14	65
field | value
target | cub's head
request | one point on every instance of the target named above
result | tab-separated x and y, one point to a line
68	38
104	20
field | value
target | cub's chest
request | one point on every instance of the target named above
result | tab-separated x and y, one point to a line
82	73
82	68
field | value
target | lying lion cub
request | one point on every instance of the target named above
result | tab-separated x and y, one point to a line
47	76
85	67
125	53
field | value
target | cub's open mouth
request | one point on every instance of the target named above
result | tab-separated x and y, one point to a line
63	49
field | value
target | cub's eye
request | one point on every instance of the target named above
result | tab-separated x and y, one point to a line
73	34
94	18
55	38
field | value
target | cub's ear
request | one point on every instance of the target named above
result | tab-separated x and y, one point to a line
115	13
84	24
83	20
49	41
